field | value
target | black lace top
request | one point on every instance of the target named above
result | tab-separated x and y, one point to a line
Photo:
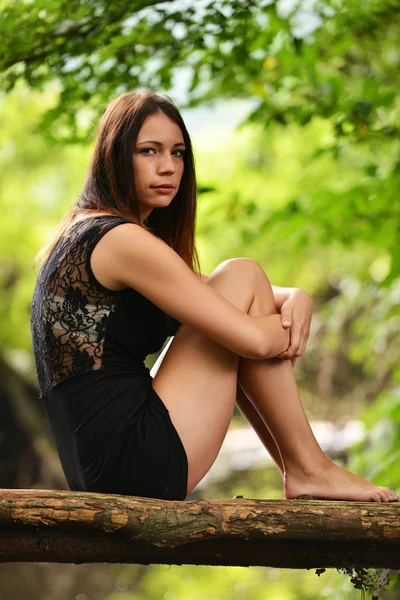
78	325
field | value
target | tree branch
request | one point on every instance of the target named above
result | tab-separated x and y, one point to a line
77	527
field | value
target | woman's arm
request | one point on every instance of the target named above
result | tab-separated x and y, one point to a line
139	260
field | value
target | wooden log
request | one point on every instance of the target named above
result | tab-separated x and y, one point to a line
82	527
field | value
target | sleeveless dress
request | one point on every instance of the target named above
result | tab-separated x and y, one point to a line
112	431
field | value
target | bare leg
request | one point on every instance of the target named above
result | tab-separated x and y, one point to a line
271	386
250	412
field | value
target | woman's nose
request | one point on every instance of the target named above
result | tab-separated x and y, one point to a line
166	164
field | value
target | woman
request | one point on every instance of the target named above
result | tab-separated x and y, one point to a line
116	280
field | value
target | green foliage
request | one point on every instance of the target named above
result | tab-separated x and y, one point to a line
378	456
298	196
230	583
39	182
332	58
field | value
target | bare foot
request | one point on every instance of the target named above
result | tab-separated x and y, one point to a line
331	482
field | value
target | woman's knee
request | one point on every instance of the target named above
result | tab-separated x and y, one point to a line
250	273
243	268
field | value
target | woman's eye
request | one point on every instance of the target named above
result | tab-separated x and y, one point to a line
145	149
182	152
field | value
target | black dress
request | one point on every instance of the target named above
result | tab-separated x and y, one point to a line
112	431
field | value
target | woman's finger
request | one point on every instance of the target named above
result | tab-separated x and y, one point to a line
302	348
295	342
304	342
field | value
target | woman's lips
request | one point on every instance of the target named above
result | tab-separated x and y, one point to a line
164	189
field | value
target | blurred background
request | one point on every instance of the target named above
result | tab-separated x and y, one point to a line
293	108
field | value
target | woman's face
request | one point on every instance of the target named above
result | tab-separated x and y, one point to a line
157	159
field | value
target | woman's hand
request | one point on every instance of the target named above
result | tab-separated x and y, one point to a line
296	313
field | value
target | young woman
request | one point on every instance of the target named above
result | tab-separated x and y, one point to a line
116	279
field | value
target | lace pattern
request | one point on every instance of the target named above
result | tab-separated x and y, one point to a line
70	309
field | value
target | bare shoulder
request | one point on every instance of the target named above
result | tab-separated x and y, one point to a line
110	249
132	255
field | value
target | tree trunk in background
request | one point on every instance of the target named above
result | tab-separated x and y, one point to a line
28	457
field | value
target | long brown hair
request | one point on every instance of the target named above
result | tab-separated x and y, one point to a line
110	184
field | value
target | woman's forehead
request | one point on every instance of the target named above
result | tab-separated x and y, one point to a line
161	128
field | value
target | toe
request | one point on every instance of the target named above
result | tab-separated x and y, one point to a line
389	496
383	492
392	497
375	497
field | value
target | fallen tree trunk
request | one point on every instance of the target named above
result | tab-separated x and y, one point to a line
82	527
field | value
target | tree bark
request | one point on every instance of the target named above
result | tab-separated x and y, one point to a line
83	527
